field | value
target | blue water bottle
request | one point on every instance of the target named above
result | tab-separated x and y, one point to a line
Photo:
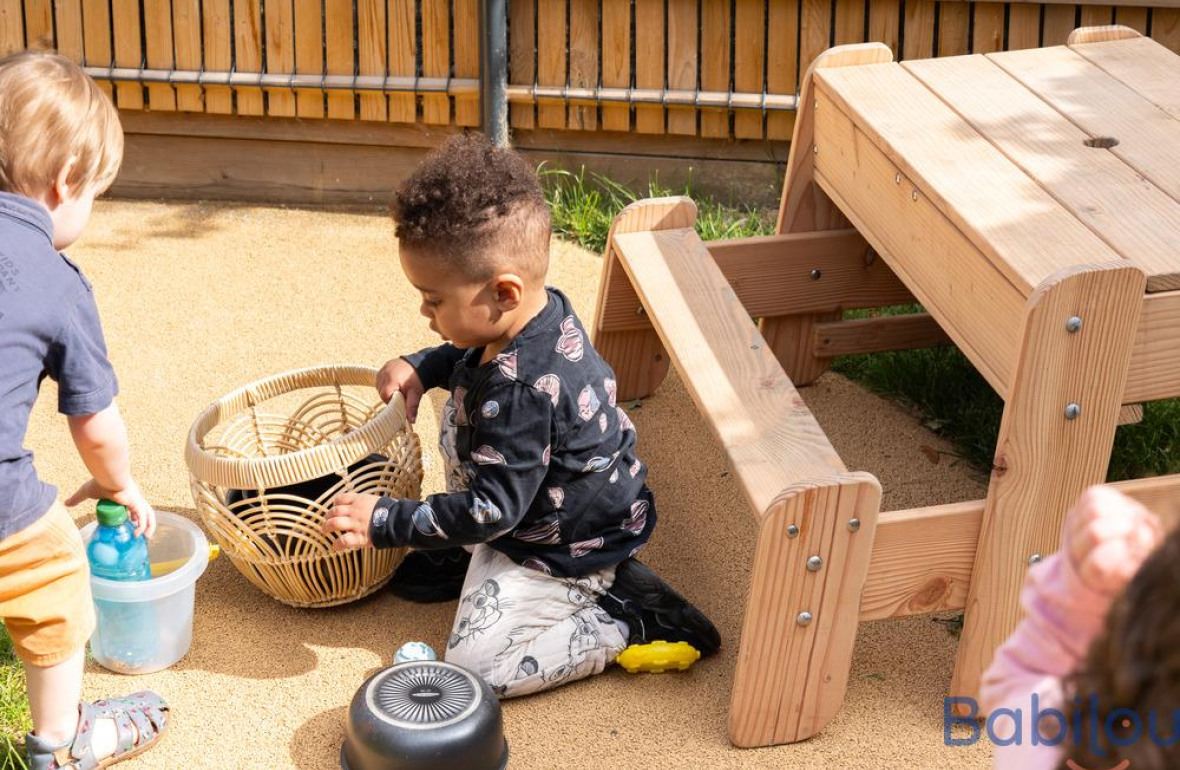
125	629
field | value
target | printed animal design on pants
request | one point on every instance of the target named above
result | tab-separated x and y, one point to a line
486	610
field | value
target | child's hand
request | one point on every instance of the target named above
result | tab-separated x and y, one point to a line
350	516
398	376
138	508
1107	536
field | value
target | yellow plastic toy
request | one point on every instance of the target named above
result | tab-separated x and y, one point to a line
658	656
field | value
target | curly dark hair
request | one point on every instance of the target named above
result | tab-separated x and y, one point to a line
477	207
1134	665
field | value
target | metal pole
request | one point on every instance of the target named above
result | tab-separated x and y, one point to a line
493	71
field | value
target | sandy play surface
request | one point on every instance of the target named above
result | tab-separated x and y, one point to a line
198	299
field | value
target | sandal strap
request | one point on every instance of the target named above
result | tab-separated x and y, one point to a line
142	712
43	755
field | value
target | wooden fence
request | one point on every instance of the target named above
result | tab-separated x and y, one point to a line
734	51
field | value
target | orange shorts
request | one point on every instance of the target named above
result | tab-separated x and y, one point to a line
45	589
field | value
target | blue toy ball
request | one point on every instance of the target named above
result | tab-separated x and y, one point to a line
411	651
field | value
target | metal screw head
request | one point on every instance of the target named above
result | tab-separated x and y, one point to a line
815	149
853	525
816	274
914	194
1073	324
792	530
1072	411
803	618
897	179
814	563
1036	557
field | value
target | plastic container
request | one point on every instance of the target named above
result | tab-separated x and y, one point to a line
167	600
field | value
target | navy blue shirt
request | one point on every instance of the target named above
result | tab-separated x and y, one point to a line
545	454
48	327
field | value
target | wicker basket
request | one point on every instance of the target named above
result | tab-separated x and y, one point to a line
286	430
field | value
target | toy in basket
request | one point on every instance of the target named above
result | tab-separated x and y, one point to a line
266	461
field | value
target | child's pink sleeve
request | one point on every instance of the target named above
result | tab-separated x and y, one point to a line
1062	617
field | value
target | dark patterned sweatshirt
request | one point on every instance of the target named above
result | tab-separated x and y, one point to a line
544	466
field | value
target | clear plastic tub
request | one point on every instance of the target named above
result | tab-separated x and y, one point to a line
147	625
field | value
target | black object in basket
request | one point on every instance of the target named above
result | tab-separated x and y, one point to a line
424	715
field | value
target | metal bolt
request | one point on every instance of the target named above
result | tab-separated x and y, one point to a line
1072	411
814	563
792	530
897	179
1073	324
640	311
853	525
804	618
815	149
816	274
1036	557
817	104
914	194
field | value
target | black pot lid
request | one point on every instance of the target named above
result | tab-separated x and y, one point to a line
423	695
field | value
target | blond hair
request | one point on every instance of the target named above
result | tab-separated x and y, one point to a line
52	112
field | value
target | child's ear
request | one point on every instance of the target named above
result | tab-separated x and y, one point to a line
61	183
509	289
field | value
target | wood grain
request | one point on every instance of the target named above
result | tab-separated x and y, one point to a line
616	60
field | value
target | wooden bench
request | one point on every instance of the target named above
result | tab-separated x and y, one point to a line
872	215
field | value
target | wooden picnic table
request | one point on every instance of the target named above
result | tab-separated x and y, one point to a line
1030	202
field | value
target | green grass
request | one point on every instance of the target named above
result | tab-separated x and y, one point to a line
14	707
940	384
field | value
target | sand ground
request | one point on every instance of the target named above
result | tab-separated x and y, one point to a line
198	299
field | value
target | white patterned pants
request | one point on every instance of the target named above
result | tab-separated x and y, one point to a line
523	631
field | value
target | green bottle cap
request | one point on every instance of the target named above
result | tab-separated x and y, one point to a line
111	514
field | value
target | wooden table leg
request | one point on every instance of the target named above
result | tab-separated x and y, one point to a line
636	355
792	670
1055	440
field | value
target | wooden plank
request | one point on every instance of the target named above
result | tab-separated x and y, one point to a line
186	41
309	55
885	23
749	59
1143	65
849	26
616	61
649	62
1095	15
1155	368
923	557
922	560
683	27
1165	28
772	275
737	384
1135	18
338	48
68	23
248	53
403	108
157	34
128	53
12	27
435	57
39	24
1136	219
1130	414
954	22
1024	26
919	29
918	242
815	33
791	677
280	53
1060	20
1043	460
1104	107
551	60
987	29
467	47
96	36
372	54
782	71
716	29
876	335
929	143
583	58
